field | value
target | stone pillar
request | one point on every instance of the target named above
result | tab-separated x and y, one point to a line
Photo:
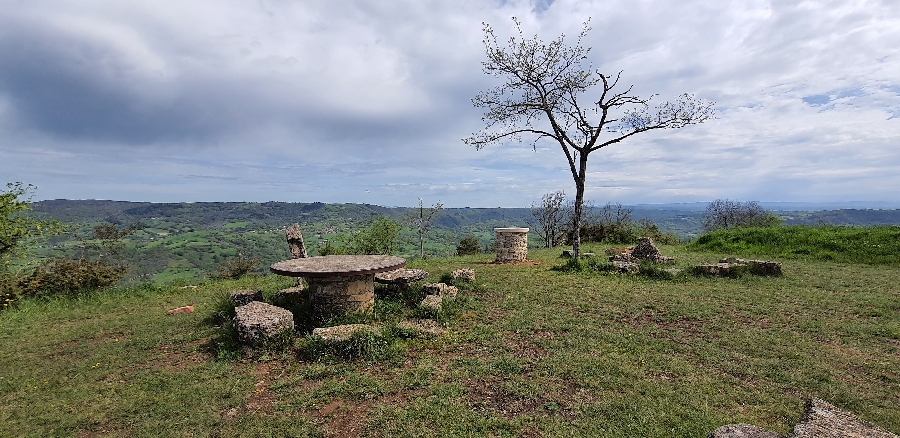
511	244
335	295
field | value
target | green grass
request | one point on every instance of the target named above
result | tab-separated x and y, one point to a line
869	245
530	351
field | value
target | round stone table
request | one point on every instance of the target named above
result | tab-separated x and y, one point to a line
339	283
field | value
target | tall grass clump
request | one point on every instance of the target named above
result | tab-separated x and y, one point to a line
879	245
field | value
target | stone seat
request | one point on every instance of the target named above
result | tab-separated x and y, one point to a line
400	279
257	322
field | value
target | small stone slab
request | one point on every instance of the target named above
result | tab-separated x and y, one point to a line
432	302
244	297
422	327
822	420
401	276
440	289
257	322
742	431
341	333
465	274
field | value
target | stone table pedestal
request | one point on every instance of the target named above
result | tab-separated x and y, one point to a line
339	283
511	244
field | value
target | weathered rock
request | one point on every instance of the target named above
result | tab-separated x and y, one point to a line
717	269
627	267
340	333
244	297
567	253
432	302
674	272
587	254
465	274
742	431
422	327
400	279
764	267
441	289
822	420
257	322
295	241
623	257
290	296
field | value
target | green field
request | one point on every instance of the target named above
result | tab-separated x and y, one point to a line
531	351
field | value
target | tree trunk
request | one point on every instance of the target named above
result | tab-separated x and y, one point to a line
579	205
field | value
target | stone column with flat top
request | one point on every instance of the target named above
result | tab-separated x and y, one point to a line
511	244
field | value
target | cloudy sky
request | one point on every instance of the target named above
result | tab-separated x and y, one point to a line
367	101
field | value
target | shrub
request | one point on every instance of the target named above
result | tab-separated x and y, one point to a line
239	267
724	214
468	246
62	276
379	238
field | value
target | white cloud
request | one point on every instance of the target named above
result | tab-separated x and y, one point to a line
323	100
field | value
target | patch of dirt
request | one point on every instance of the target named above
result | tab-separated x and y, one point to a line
177	357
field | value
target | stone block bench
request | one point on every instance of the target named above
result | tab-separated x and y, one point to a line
400	279
257	322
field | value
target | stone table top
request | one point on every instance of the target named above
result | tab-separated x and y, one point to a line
337	265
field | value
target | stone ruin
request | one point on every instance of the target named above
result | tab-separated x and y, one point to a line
732	266
820	419
627	259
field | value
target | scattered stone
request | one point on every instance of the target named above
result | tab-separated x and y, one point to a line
587	254
465	274
440	289
290	296
623	257
627	267
820	419
674	271
717	269
188	287
432	302
244	297
567	253
742	431
400	279
340	333
256	322
422	327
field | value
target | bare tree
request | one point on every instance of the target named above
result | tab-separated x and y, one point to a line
540	98
726	214
551	215
421	221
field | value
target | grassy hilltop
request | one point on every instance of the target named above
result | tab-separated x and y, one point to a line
530	351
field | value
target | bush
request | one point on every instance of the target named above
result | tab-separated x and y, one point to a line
239	267
65	276
468	246
379	238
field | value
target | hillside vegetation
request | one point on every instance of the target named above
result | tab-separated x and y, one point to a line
868	245
531	351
